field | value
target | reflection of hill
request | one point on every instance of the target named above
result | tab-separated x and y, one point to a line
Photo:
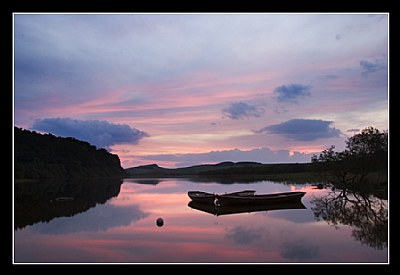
36	201
366	214
221	180
144	181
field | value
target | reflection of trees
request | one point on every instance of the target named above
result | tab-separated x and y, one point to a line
35	201
367	215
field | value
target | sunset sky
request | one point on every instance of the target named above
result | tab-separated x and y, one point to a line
186	89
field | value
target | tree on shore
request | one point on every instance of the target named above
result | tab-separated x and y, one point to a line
364	160
38	156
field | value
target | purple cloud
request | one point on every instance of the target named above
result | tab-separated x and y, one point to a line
100	133
240	110
290	93
372	67
302	129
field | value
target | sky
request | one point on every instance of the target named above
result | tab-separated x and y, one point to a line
186	89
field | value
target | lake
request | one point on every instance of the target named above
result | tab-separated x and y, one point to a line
115	222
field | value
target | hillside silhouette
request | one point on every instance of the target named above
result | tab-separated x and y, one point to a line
38	156
229	172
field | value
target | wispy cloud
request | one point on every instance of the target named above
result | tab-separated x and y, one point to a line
328	77
290	93
240	110
99	133
372	67
303	129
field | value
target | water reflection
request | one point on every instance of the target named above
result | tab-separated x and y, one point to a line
222	180
144	181
243	208
125	229
37	201
100	218
300	251
242	235
367	215
231	181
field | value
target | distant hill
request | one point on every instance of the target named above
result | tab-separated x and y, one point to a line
221	170
47	156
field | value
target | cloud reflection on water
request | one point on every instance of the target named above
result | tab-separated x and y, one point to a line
299	251
292	215
244	235
100	218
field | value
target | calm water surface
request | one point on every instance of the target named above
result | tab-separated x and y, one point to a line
118	224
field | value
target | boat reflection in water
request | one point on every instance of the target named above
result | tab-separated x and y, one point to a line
237	209
234	199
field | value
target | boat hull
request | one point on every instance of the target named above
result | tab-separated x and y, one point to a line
201	197
204	197
259	199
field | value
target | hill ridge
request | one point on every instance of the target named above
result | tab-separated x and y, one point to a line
222	169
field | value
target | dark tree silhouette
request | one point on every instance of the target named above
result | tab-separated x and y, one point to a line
368	151
362	164
47	156
369	142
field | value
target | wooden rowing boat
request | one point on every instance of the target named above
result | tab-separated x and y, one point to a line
205	197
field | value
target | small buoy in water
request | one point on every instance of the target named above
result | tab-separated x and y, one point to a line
160	222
